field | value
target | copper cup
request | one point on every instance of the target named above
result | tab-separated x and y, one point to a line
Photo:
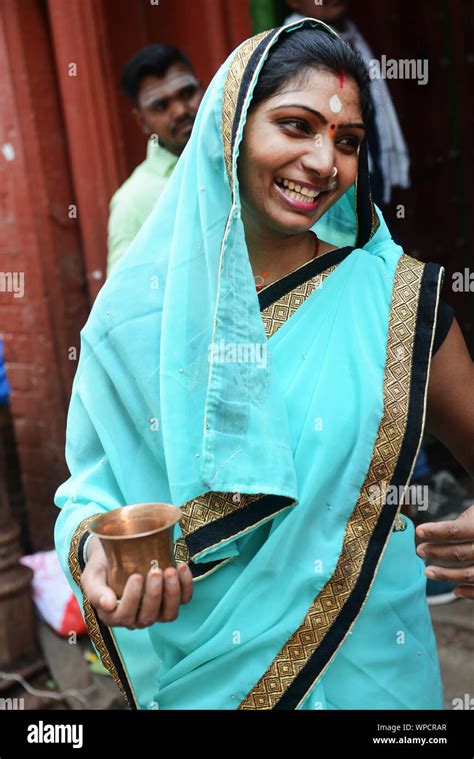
136	539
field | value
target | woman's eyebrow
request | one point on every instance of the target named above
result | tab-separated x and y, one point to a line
353	124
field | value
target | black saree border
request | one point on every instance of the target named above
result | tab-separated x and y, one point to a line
250	69
432	280
109	642
237	523
232	91
393	460
99	633
316	266
200	571
424	333
367	219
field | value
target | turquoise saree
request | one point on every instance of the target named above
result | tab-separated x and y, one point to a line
276	420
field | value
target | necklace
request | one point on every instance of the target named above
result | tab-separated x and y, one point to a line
264	274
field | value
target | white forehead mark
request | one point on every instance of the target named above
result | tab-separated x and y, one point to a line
335	104
160	90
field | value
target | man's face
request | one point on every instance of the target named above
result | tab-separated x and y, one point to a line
329	11
167	106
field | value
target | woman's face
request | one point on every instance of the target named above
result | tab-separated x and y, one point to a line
290	146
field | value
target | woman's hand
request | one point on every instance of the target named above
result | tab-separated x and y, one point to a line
164	592
451	540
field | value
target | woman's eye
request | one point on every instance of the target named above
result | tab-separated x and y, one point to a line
349	142
296	124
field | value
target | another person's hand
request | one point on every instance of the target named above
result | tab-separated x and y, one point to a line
450	541
164	592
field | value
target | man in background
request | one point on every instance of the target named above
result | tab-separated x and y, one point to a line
160	82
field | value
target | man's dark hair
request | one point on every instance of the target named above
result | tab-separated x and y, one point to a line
152	60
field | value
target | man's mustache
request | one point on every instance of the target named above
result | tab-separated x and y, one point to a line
184	122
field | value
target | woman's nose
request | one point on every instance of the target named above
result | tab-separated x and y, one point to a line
320	157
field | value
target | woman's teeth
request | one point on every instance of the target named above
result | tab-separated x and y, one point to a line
296	191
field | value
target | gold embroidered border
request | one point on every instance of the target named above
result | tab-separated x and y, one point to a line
231	94
400	523
181	553
277	313
205	510
212	506
93	628
375	218
329	603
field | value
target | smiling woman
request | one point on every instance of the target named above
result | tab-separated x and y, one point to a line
298	587
300	148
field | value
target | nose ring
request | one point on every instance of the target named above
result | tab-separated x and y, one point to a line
334	171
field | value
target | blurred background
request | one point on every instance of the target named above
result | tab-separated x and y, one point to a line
68	142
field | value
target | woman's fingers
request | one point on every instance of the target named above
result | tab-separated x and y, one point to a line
447	551
164	593
171	595
94	584
152	598
186	580
138	608
126	612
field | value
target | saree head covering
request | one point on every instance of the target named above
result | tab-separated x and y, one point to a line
276	420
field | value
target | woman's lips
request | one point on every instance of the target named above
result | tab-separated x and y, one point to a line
299	205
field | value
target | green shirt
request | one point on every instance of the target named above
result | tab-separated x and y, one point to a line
135	199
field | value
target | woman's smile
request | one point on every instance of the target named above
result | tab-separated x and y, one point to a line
298	157
300	196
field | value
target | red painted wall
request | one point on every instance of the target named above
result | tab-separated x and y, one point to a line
39	241
69	142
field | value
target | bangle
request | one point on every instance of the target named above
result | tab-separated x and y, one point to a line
86	544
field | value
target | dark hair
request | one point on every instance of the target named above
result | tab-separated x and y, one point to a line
152	60
296	53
